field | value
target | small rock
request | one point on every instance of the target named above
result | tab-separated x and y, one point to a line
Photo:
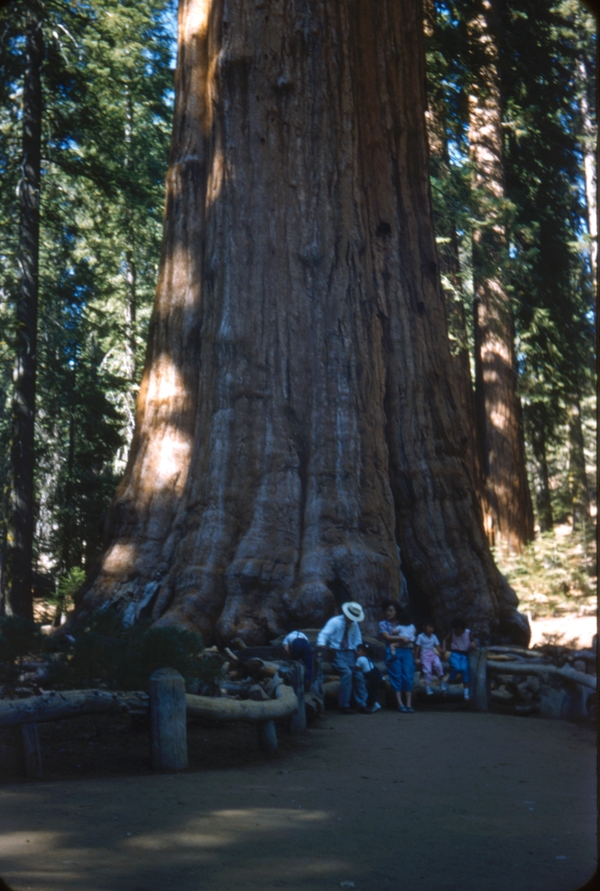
347	885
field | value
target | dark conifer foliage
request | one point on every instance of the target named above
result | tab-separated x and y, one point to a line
106	100
547	81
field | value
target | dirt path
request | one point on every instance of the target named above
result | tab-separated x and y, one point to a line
441	800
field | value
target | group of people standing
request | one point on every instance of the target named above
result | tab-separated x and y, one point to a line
404	648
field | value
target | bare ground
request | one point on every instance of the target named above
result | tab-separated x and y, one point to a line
444	799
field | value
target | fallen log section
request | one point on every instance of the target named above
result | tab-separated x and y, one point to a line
73	703
67	704
587	680
221	709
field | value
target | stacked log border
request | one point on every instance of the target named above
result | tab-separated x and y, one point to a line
168	741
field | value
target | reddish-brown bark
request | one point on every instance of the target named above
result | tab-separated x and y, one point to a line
297	420
507	501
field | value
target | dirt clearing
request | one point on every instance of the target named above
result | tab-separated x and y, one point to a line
444	799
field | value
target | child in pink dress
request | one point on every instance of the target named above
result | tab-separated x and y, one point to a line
428	655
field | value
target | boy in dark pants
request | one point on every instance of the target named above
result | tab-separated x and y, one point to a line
372	676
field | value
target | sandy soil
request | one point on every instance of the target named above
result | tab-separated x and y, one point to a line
569	630
444	799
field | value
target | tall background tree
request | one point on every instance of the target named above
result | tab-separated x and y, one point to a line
535	145
105	85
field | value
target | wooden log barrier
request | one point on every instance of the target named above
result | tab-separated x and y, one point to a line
168	728
169	711
220	709
31	751
267	736
298	718
569	674
67	704
478	663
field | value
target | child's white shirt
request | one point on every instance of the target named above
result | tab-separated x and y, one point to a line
427	643
364	664
292	636
408	631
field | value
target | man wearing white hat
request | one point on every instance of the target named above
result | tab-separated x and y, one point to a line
342	635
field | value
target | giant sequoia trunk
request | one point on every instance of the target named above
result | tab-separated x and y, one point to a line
507	503
296	421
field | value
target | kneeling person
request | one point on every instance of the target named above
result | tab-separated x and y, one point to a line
297	646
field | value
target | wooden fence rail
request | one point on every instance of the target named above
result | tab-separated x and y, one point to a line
169	708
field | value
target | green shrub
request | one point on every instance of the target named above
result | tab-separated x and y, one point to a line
154	648
556	572
104	652
67	587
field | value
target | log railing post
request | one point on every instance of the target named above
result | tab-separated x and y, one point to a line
168	720
298	719
32	753
267	736
479	686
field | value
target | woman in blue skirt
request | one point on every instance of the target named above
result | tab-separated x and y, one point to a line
399	636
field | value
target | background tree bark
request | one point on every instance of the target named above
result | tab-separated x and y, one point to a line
508	508
297	420
24	376
450	271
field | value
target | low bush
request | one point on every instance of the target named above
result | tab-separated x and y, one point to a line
104	652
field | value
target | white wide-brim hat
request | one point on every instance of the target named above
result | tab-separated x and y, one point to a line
353	611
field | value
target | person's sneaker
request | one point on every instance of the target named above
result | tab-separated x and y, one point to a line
444	687
429	691
466	694
347	711
410	709
364	710
375	708
402	708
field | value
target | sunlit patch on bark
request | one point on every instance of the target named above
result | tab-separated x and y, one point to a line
120	558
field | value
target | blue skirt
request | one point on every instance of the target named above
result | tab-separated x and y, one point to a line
401	668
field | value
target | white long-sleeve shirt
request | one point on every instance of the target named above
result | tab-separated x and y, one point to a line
332	634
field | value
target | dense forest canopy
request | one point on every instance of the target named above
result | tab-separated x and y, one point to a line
107	92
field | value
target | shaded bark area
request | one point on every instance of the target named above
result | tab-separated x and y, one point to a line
22	518
507	505
298	427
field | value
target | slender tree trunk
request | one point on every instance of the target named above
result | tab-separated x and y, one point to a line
589	167
69	538
543	501
510	516
130	266
3	554
130	275
297	419
23	406
578	483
